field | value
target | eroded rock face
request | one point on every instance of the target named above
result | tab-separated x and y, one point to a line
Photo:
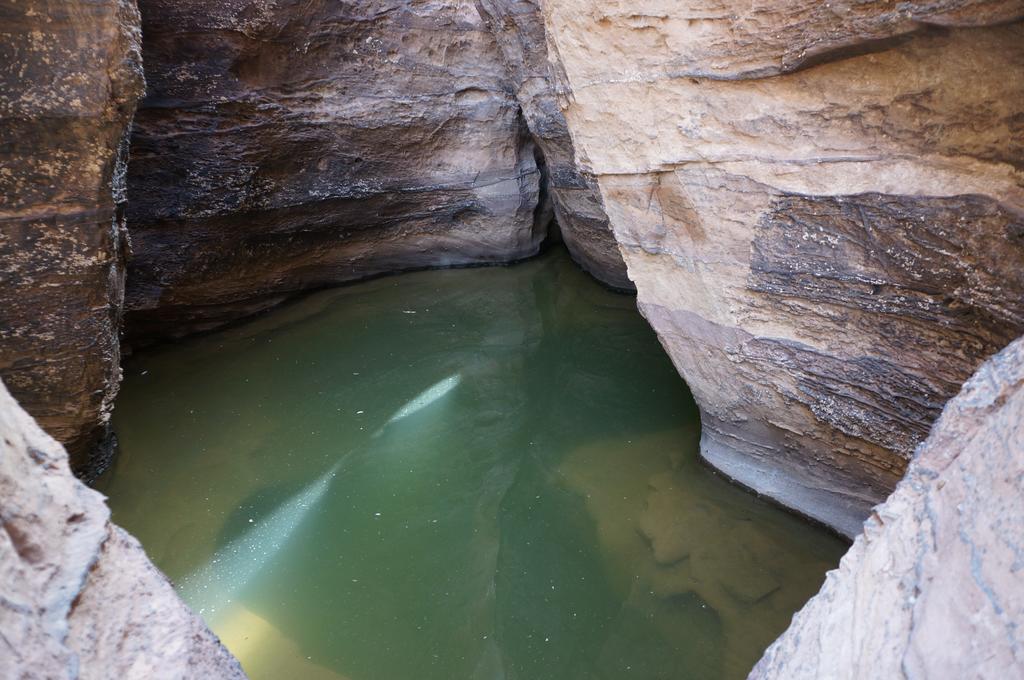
822	208
933	588
286	145
70	74
78	597
518	27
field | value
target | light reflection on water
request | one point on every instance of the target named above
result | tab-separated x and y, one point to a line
471	474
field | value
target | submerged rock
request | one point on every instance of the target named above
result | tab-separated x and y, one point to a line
78	596
747	573
820	206
70	74
934	587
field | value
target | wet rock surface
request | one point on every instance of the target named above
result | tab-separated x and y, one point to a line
933	587
289	145
70	74
78	596
822	211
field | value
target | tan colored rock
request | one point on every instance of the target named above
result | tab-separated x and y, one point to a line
287	145
78	596
824	222
651	40
70	74
934	587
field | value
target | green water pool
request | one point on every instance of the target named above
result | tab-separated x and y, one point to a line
463	474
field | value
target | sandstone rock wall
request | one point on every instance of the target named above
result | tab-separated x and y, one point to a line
518	27
933	588
78	597
70	75
822	207
290	144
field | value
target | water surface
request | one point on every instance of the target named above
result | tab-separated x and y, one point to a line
465	474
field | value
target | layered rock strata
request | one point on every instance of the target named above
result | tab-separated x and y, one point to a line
289	145
933	588
78	596
70	75
821	206
518	27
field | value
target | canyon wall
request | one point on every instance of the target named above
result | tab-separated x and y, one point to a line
78	596
822	208
292	144
933	588
70	74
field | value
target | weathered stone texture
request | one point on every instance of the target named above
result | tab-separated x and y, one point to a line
826	253
287	145
934	587
518	27
70	75
78	597
649	40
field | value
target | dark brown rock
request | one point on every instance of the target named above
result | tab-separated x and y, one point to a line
70	74
289	145
933	587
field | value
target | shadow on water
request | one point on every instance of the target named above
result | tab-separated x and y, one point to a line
459	474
